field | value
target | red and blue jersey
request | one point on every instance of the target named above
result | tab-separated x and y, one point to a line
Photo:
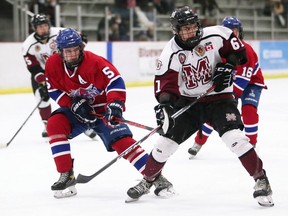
95	79
249	73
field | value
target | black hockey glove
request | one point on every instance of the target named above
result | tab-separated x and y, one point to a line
83	111
223	76
43	91
114	112
163	113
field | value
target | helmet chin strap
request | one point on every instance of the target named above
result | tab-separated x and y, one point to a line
41	37
186	45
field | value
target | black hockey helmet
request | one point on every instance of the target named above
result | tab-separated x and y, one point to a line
39	19
185	16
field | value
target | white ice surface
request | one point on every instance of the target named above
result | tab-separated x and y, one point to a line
212	184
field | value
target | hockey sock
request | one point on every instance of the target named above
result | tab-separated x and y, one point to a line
250	120
153	168
45	112
206	132
252	163
58	128
137	156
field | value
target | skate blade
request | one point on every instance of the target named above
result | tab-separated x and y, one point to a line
68	192
191	157
265	201
130	200
167	193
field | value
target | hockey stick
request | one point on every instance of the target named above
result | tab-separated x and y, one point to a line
84	179
136	124
175	115
8	143
122	120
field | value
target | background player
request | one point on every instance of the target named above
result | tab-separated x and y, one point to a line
247	86
36	49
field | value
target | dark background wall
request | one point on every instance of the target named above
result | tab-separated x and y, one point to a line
6	21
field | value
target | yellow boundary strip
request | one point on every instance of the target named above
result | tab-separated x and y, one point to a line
128	84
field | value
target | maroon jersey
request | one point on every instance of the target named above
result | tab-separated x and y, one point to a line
189	73
96	79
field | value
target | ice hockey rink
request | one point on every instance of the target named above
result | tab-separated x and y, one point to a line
212	184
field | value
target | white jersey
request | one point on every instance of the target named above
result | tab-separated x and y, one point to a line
194	70
36	53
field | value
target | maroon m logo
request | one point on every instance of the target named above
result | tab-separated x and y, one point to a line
193	75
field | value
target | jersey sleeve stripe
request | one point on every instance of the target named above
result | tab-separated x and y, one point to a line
116	84
241	82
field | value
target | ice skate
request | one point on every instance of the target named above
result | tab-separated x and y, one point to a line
91	133
44	133
194	150
65	186
163	187
143	187
263	192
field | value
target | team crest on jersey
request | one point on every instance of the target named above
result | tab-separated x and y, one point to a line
199	50
89	93
37	48
158	64
182	58
53	45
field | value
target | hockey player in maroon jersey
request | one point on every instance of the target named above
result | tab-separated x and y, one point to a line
247	86
85	86
36	49
188	66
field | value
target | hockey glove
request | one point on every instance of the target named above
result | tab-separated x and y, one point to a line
43	92
223	76
163	113
114	112
83	111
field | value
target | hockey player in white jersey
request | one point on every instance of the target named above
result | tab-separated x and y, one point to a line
190	64
36	49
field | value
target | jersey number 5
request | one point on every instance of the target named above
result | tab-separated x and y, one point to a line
110	74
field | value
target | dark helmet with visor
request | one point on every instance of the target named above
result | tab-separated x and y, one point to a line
232	23
185	16
40	19
69	38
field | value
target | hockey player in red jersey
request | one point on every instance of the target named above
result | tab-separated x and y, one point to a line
85	86
247	86
36	49
188	66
